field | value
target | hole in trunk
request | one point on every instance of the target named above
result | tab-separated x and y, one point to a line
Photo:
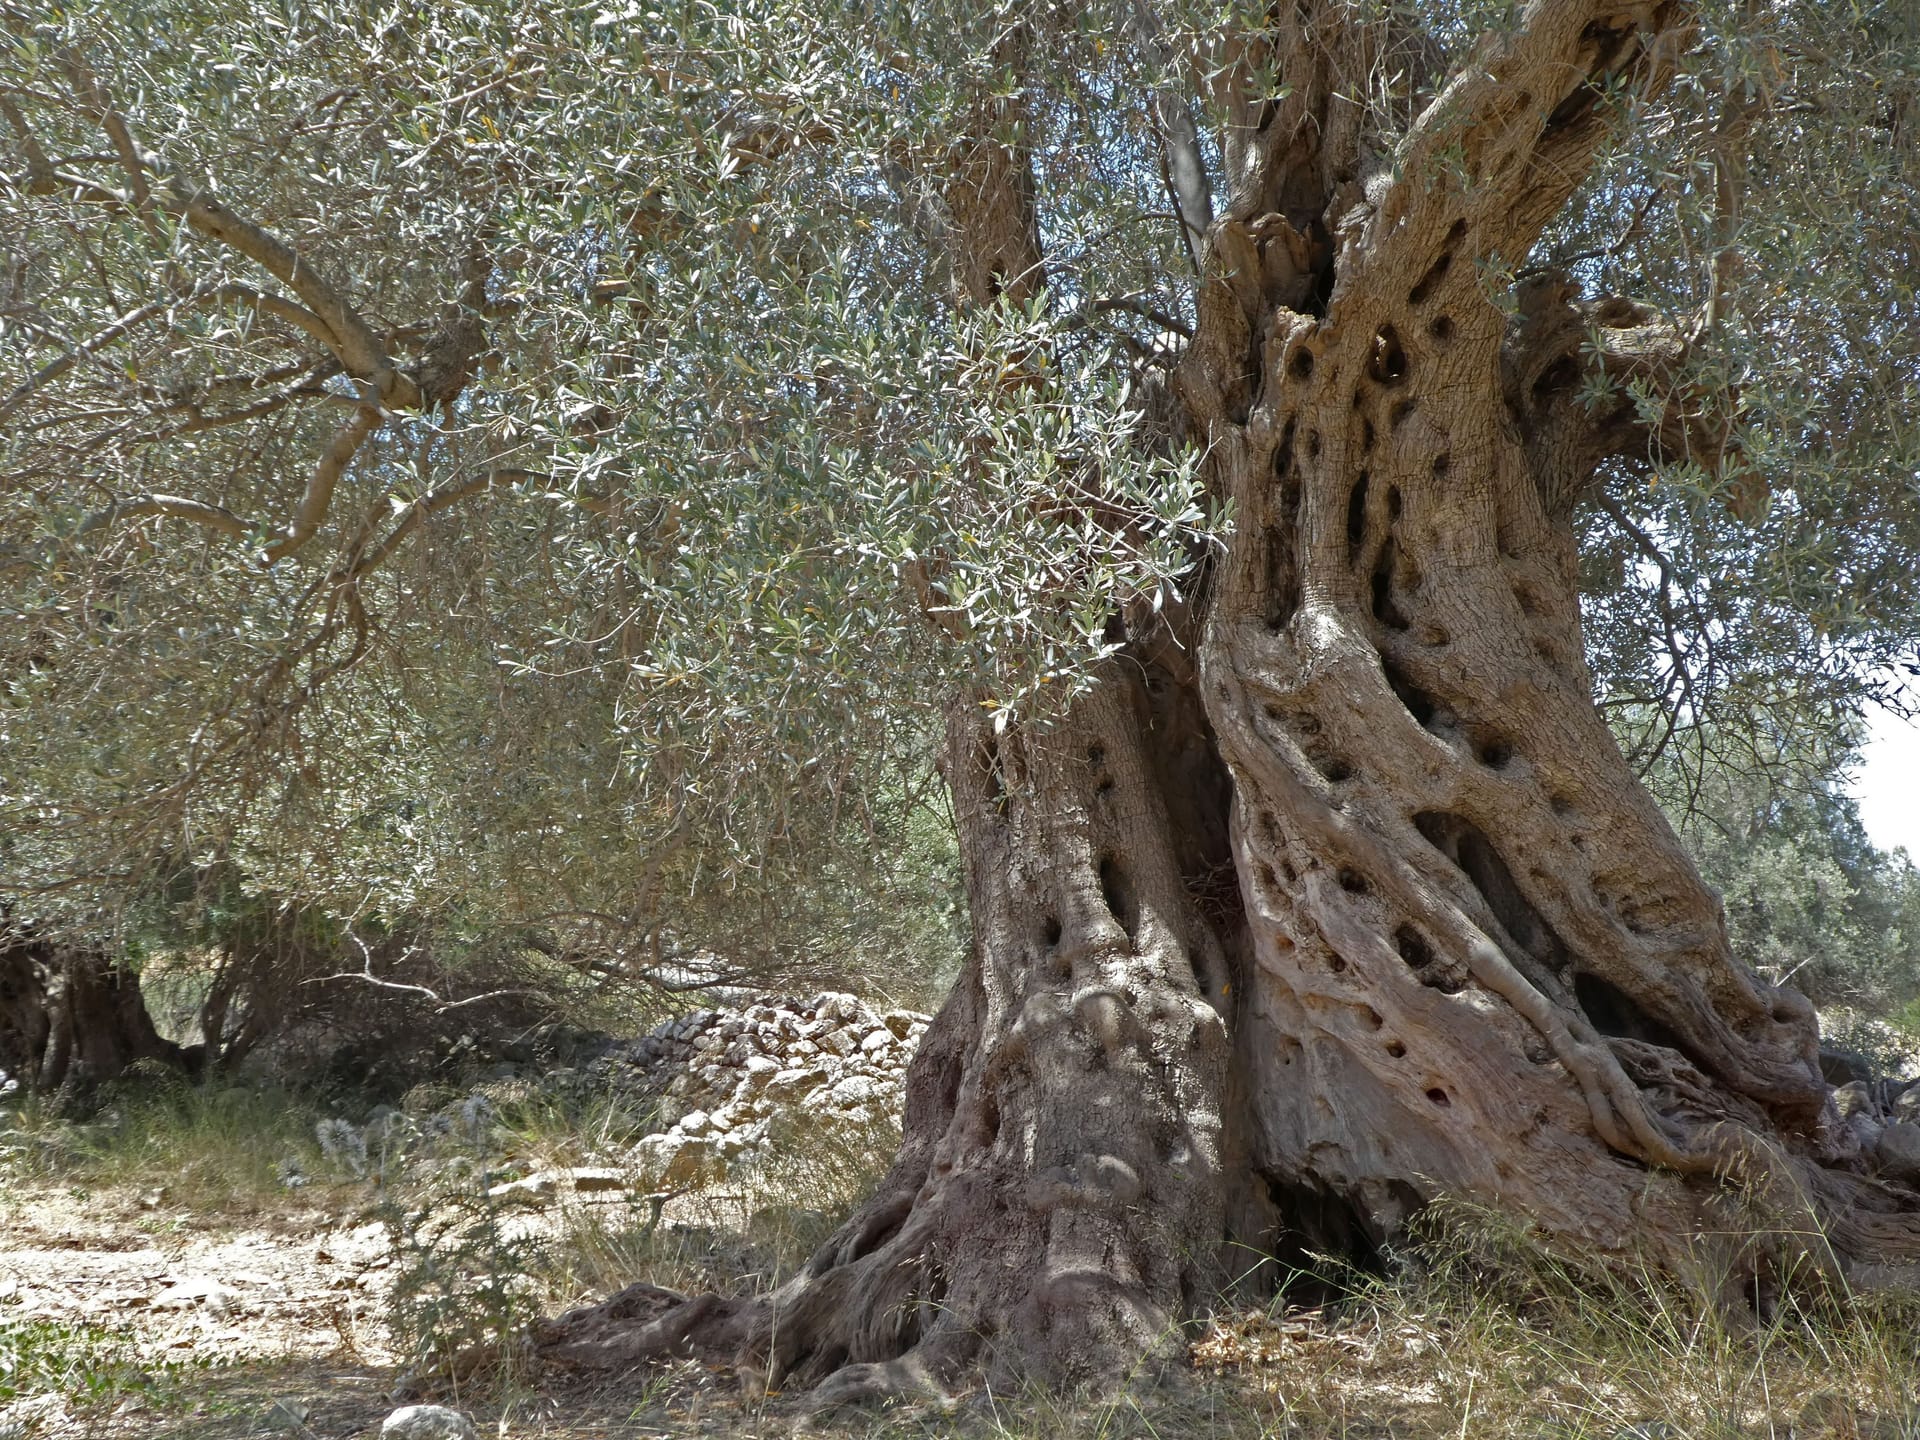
1562	374
1436	272
1397	1050
1494	753
1302	363
1050	931
1442	328
1319	1226
1576	106
1468	848
1335	769
1283	570
1439	1097
1385	610
1420	705
1353	882
1418	954
1283	582
1356	516
1413	947
1388	364
1118	894
1613	1012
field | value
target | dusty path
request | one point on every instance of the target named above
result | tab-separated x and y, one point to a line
205	1328
212	1312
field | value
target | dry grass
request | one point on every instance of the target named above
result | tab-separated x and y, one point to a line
1477	1331
210	1149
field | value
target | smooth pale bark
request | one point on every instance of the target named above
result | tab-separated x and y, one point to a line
1335	894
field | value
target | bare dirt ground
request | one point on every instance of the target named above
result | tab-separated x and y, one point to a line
259	1325
270	1322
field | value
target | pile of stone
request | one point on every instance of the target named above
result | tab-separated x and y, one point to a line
717	1087
1883	1117
735	1075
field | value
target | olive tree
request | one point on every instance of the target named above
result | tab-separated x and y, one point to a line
1275	440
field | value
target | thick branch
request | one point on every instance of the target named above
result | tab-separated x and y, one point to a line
346	334
318	498
1511	136
1589	379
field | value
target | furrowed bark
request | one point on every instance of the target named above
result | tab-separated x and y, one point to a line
1365	907
1469	923
1062	1194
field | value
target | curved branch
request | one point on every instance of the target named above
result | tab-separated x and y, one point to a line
318	498
214	517
347	335
282	308
340	325
1512	135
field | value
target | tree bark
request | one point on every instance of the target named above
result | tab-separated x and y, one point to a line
1349	900
1065	1186
72	1020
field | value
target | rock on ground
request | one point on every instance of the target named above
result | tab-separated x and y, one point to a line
428	1422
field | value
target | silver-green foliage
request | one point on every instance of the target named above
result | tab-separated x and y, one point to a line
729	421
730	498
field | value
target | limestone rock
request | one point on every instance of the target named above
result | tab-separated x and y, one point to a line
428	1422
1898	1151
901	1022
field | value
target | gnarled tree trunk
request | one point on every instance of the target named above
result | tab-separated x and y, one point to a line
1337	895
71	1019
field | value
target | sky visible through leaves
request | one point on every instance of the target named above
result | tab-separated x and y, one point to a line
1887	782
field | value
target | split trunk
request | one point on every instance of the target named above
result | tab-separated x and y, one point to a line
1334	894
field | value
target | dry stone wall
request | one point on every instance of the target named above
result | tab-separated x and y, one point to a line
725	1080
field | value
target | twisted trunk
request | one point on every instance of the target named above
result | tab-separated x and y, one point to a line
1334	894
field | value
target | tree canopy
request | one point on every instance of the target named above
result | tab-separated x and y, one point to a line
463	454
